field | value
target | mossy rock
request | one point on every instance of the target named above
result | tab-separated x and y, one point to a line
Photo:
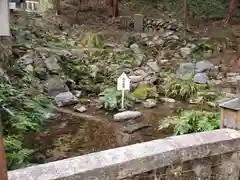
144	91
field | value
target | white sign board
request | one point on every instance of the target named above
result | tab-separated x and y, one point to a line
12	5
4	18
123	82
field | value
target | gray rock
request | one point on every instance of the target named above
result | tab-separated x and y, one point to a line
29	68
136	79
135	48
94	70
202	66
139	58
55	85
168	33
169	100
27	59
40	69
150	43
131	128
185	51
52	64
154	66
175	37
78	52
125	115
150	79
141	73
65	99
150	103
78	93
201	78
3	75
185	70
80	108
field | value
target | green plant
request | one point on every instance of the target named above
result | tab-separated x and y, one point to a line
206	96
20	114
92	40
110	98
178	88
192	121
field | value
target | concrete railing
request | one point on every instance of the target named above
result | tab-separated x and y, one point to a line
139	158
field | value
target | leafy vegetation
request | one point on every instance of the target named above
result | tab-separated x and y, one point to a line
110	98
183	89
192	121
199	9
20	114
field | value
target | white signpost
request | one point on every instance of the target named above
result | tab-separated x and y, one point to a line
123	84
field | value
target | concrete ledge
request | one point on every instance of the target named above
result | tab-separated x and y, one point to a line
135	159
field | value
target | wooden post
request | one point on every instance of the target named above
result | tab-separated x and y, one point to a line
3	167
185	17
138	22
238	88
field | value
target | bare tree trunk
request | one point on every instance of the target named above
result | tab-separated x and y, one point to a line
3	168
231	9
115	7
58	7
185	17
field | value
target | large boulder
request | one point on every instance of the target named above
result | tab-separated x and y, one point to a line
55	85
185	70
65	99
52	64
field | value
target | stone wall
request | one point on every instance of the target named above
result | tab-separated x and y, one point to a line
198	150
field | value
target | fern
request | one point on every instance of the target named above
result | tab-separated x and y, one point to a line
20	114
192	121
110	98
184	89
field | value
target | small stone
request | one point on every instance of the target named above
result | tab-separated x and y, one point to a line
126	115
135	48
27	59
185	51
232	74
150	103
170	100
200	78
78	52
136	79
29	68
141	73
159	42
77	93
52	64
154	66
168	33
80	108
139	58
131	128
65	99
202	66
212	104
150	43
